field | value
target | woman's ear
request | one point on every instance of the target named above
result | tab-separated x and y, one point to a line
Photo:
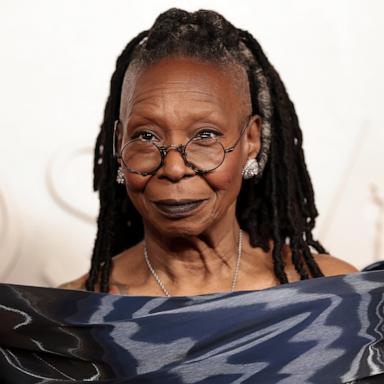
254	136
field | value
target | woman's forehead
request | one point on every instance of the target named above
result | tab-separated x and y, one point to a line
173	81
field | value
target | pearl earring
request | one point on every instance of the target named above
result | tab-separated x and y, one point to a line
120	176
251	169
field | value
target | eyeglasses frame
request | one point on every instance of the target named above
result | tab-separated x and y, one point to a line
163	149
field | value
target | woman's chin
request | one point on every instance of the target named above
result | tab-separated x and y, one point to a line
180	228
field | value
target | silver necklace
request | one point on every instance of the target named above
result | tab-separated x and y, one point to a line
165	290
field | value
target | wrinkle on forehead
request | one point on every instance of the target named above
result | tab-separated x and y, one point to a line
198	97
237	73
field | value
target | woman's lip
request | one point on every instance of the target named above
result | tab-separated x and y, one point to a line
177	202
176	209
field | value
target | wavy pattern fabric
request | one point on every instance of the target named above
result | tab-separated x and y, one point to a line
326	330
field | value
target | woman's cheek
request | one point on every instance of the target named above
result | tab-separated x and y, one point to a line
226	178
135	185
134	182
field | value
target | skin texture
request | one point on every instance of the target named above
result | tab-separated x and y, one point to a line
175	99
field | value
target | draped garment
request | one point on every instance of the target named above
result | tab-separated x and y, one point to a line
326	330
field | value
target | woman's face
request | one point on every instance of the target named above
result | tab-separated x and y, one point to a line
172	101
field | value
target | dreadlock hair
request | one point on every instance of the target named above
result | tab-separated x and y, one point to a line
278	206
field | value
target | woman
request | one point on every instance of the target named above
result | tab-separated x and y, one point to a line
196	79
203	192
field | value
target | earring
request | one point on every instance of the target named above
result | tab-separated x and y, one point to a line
251	169
120	176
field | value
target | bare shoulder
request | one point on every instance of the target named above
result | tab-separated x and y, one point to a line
77	284
332	266
124	266
329	265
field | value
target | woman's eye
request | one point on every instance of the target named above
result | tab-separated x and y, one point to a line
144	135
208	134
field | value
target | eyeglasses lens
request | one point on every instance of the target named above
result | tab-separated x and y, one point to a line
144	157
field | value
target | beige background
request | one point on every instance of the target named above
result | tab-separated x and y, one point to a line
56	60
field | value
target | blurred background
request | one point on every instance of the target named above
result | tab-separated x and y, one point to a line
56	60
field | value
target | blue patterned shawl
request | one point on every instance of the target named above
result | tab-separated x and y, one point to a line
326	330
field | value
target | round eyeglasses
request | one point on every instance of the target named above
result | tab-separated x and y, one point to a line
202	154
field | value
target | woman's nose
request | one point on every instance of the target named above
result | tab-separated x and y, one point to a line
174	167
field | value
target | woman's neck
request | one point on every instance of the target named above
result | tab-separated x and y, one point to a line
195	262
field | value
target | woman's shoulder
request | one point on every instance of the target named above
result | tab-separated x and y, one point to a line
328	264
124	264
331	265
77	284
